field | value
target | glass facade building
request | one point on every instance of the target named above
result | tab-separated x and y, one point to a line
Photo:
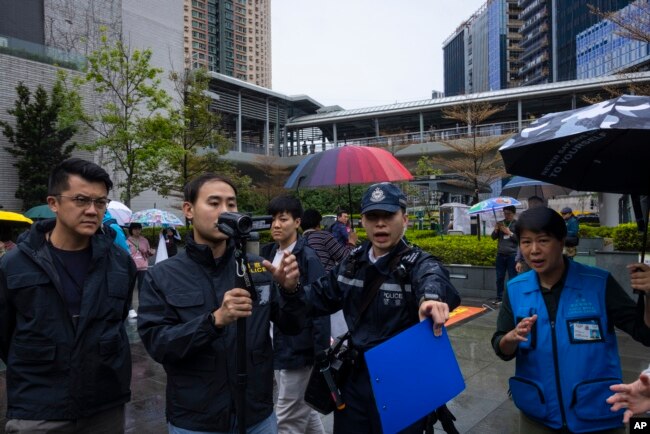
601	51
572	17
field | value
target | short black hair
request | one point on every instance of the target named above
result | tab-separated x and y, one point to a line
310	219
191	190
285	203
88	170
541	220
341	211
534	200
134	226
510	208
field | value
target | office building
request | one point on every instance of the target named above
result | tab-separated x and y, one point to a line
600	50
483	53
572	17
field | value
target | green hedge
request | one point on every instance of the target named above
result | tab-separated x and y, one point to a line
628	238
596	231
463	249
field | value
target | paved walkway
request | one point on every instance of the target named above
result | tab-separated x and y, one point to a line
484	406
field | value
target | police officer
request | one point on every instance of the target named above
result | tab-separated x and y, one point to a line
189	306
414	286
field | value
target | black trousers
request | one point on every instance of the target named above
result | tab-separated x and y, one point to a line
360	415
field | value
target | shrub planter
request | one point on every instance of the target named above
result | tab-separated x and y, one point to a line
589	245
615	262
473	280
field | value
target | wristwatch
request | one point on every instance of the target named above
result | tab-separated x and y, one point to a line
429	297
295	290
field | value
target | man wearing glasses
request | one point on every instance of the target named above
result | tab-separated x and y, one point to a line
64	296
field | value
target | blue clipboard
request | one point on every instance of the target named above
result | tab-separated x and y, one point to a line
412	374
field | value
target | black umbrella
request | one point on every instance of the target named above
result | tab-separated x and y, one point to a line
603	147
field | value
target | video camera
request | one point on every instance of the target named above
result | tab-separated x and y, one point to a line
236	225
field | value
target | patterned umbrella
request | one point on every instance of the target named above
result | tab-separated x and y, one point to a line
155	217
348	165
493	204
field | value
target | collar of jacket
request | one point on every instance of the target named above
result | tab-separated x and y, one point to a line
382	263
202	253
35	240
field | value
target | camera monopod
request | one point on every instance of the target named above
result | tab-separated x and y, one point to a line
237	227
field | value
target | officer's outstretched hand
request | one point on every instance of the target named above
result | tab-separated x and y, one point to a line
438	311
237	303
286	273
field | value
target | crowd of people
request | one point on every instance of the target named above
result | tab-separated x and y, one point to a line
66	291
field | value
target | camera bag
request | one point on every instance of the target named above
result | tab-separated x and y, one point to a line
318	394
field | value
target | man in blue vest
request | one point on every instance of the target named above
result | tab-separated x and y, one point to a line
558	321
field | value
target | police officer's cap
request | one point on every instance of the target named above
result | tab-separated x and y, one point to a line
383	197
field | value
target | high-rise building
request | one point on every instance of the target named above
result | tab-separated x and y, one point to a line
231	37
572	17
601	50
536	40
454	59
483	53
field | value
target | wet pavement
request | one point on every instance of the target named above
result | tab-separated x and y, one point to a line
483	407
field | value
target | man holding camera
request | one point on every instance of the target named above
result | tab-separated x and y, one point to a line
383	286
189	306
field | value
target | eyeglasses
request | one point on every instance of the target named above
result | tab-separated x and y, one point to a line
85	201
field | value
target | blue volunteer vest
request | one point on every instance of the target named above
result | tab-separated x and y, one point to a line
565	369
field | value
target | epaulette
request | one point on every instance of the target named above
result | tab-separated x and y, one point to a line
409	258
356	251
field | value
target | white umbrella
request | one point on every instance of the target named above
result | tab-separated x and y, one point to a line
120	212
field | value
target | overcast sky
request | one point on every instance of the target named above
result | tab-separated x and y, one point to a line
363	53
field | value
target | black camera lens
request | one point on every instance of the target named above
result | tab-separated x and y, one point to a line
234	224
244	224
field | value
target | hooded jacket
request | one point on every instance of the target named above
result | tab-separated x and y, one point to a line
57	370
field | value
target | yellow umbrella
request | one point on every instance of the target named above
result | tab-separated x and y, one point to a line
8	216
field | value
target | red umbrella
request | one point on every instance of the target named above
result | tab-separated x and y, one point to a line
348	165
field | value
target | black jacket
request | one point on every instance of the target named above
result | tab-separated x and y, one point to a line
393	309
55	371
174	323
293	352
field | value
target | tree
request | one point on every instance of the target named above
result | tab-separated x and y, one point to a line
133	116
43	126
478	161
198	141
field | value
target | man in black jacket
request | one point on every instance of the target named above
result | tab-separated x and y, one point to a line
189	306
294	355
64	296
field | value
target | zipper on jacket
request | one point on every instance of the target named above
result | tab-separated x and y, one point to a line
557	376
